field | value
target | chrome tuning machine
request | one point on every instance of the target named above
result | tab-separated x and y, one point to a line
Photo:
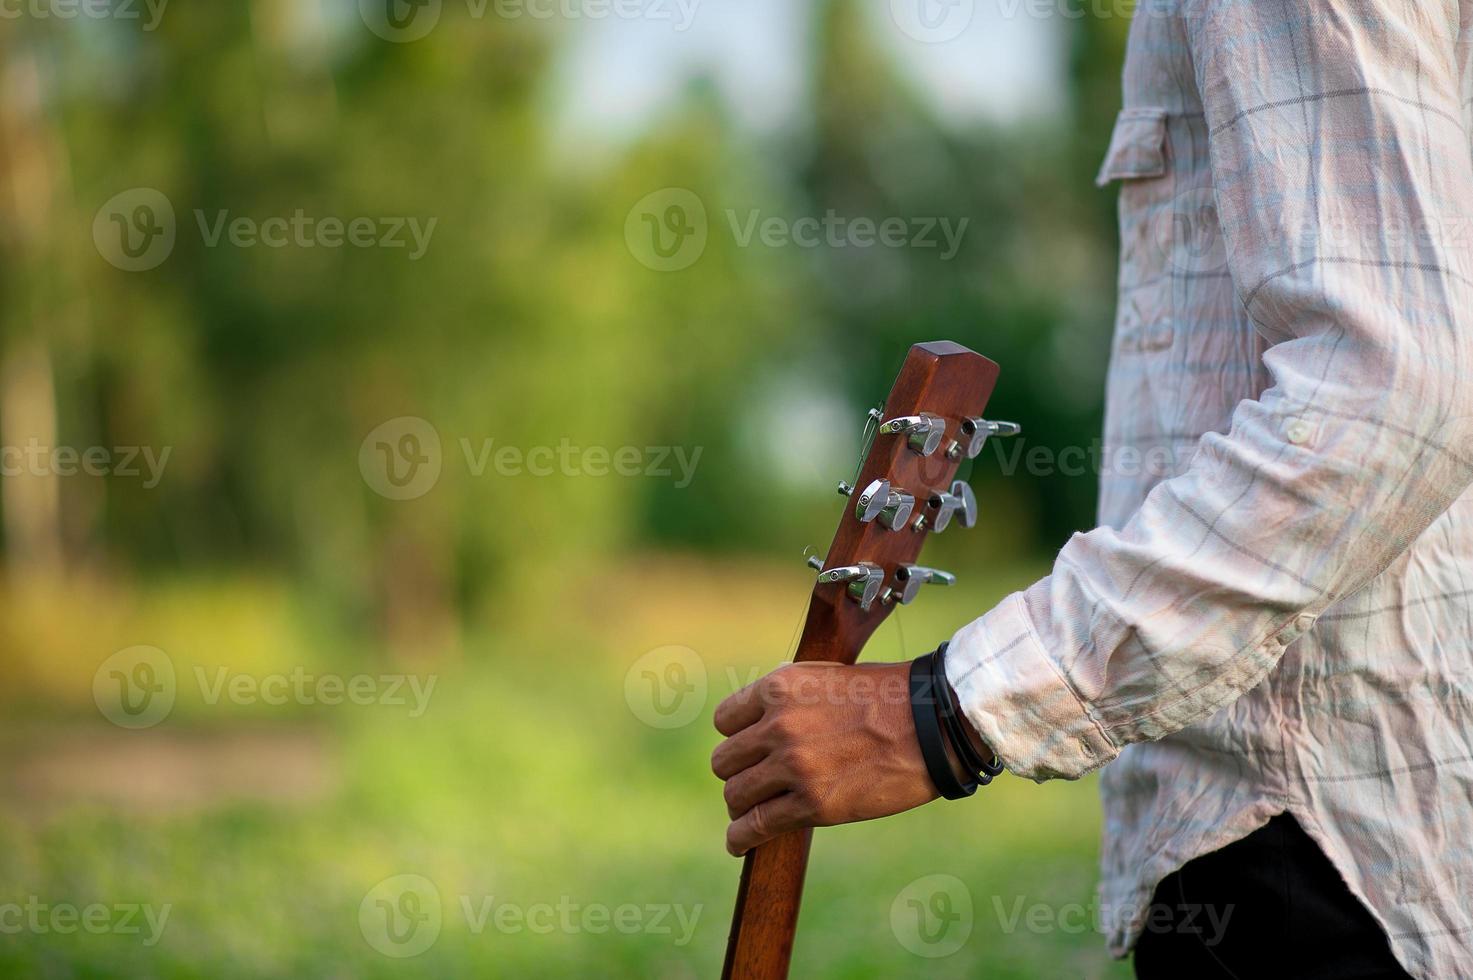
880	501
975	433
959	502
923	432
910	578
865	581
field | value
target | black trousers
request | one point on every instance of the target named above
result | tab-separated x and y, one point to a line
1269	905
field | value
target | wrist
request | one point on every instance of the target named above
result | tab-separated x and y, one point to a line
949	775
969	753
982	748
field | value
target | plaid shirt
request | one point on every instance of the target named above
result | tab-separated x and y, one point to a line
1276	612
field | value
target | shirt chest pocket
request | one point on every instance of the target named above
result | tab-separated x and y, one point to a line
1140	160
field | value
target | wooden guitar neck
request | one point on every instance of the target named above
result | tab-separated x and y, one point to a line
942	389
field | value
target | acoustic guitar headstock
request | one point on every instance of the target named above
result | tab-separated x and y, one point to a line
905	491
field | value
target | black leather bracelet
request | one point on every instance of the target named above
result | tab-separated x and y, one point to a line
956	729
928	732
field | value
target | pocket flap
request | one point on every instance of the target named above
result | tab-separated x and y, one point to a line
1137	147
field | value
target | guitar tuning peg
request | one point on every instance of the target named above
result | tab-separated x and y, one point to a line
865	580
880	500
923	431
976	432
959	502
912	577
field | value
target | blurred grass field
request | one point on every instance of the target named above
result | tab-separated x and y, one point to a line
536	783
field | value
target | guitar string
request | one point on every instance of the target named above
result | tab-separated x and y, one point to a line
797	628
866	436
866	439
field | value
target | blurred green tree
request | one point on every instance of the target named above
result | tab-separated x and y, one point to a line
528	321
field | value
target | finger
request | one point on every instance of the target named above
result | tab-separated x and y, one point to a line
763	822
752	786
743	750
739	711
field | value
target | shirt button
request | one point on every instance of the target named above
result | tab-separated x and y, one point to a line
1297	431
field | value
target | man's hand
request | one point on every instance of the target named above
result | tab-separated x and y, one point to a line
818	744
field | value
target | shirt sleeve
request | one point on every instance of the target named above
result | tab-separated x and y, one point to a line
1322	115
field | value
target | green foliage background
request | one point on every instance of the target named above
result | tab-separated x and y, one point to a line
528	321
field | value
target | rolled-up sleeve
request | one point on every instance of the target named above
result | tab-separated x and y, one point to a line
1343	180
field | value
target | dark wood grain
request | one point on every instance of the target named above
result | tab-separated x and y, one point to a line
944	379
